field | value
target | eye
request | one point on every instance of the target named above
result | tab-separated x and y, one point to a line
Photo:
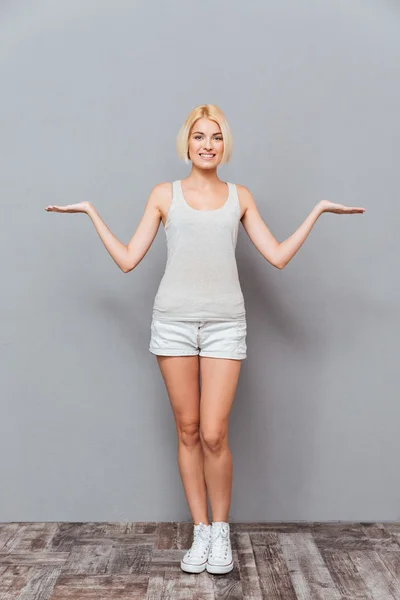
197	137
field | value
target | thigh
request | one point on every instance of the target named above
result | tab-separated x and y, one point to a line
219	378
182	379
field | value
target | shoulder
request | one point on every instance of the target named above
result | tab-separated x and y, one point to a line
162	189
242	189
160	194
245	196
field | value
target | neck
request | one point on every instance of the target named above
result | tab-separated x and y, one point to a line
203	177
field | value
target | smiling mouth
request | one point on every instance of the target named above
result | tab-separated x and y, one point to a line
207	156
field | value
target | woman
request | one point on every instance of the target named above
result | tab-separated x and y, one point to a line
198	328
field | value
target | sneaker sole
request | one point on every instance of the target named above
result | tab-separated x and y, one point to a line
215	569
193	568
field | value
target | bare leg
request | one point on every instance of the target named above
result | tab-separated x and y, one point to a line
181	377
219	378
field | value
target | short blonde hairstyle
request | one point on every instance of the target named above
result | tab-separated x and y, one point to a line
212	112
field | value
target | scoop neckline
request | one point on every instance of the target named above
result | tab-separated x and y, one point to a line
209	210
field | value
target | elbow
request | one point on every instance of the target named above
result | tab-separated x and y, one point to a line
279	264
128	268
129	262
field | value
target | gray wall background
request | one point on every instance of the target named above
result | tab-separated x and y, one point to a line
92	96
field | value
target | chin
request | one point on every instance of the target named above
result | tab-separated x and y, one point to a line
206	166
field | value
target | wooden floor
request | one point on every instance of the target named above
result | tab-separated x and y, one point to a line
313	561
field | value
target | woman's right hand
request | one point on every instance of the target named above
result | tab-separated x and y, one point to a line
80	207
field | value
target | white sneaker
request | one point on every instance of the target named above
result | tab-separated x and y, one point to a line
220	556
195	559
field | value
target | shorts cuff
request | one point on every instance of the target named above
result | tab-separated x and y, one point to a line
171	352
221	354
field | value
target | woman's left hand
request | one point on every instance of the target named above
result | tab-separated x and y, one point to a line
339	209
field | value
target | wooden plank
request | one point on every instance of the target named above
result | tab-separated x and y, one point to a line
130	558
32	537
376	575
273	573
155	586
178	585
13	579
166	537
166	560
8	534
308	572
205	587
247	566
104	587
69	534
346	576
87	560
348	536
34	558
275	527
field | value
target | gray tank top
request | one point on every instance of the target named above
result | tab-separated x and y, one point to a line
201	280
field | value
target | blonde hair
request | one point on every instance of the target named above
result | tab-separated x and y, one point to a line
212	112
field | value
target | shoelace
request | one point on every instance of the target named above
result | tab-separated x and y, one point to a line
220	542
199	536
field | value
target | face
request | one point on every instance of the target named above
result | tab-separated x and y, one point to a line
206	144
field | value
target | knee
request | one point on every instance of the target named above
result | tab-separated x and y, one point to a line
213	440
188	433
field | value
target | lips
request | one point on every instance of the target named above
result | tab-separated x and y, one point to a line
207	156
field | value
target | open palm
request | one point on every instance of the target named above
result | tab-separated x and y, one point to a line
339	209
82	207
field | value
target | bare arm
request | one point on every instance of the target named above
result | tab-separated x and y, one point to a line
288	248
128	257
277	253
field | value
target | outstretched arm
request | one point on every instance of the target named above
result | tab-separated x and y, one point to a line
280	253
126	257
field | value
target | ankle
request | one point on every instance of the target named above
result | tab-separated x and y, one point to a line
220	521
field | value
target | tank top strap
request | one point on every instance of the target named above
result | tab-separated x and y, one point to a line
234	197
178	197
175	200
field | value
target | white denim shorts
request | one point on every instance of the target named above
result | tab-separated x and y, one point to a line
219	339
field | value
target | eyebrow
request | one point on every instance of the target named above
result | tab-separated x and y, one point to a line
218	133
